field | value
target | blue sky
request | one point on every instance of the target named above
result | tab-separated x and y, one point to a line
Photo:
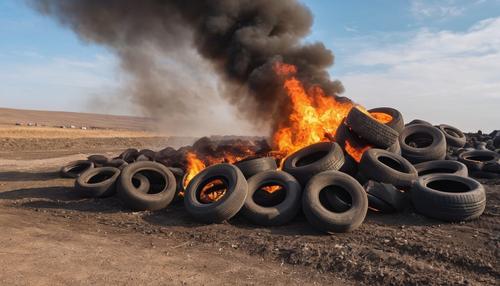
435	60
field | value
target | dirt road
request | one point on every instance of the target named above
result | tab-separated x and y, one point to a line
52	236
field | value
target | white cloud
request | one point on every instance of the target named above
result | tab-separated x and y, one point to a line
436	9
444	77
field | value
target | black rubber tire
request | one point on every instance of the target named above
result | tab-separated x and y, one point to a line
117	163
324	219
442	167
342	135
180	176
496	141
252	166
98	160
129	155
226	207
386	167
397	123
281	213
436	150
105	185
158	196
396	148
385	198
465	200
418	121
314	159
476	159
76	168
148	153
454	137
369	129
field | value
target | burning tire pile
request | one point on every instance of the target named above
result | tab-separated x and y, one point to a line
373	162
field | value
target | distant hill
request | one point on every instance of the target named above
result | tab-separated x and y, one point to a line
10	116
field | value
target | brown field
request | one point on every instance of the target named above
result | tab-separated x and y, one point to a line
52	236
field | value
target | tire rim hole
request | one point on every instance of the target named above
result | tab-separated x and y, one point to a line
78	169
449	186
269	195
335	199
419	140
212	190
100	177
157	181
480	158
311	158
392	163
436	171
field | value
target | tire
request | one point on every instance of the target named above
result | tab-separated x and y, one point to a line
158	196
321	215
98	160
496	141
275	214
179	175
476	159
397	122
228	205
396	148
141	183
417	121
129	155
342	135
385	198
252	166
369	129
98	182
386	167
117	163
421	143
454	137
150	154
314	159
76	168
442	167
448	197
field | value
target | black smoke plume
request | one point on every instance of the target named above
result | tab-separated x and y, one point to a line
239	39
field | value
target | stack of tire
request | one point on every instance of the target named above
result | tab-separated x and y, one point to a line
334	191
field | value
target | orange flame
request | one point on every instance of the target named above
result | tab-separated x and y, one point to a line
313	114
381	117
194	166
213	191
355	153
271	189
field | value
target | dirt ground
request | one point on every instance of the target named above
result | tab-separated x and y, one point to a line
51	236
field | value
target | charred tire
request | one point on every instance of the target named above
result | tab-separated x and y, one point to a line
180	176
226	207
421	143
397	122
386	167
253	166
98	182
368	128
476	159
278	214
141	182
314	159
129	155
385	198
448	197
160	193
321	215
454	137
76	168
442	167
98	160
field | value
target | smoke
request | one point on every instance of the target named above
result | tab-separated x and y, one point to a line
236	44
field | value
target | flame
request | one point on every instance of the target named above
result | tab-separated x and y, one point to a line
271	189
355	153
314	116
381	117
213	191
194	166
